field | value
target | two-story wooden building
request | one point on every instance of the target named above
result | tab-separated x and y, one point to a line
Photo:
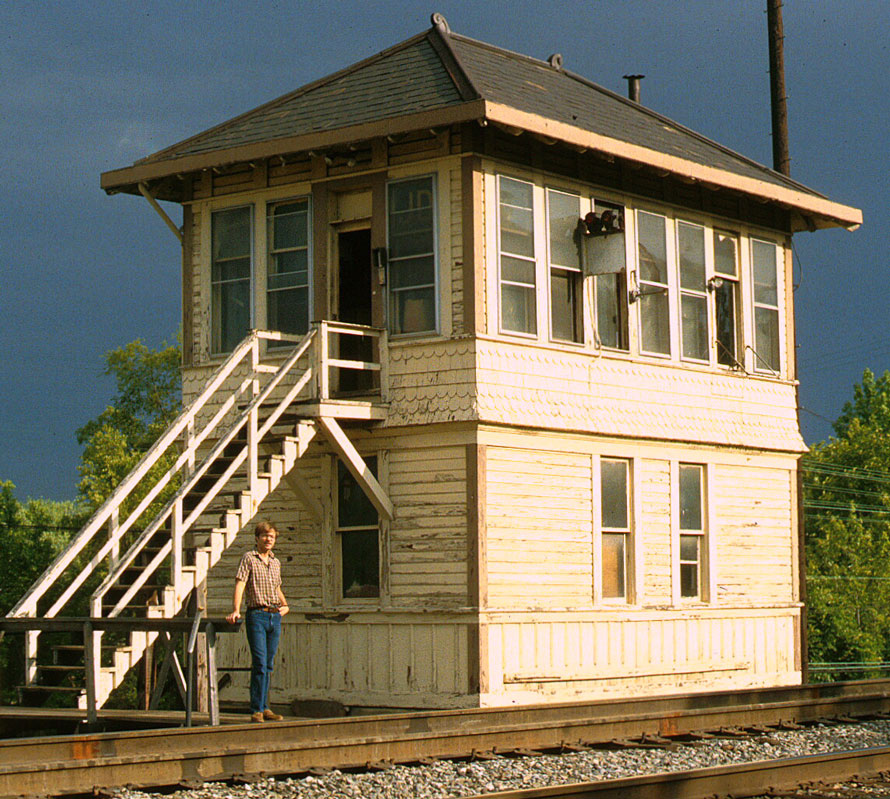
560	461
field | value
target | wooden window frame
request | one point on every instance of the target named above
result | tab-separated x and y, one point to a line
628	532
338	530
268	206
759	359
436	329
704	534
215	338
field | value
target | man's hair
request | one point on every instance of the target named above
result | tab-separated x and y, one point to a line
264	527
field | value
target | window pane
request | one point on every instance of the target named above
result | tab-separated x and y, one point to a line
690	498
691	243
234	269
412	272
614	558
413	310
290	267
765	277
516	192
656	330
689	580
725	253
614	494
518	309
231	233
694	324
652	247
290	223
766	321
610	311
725	309
517	270
564	211
354	509
360	556
517	233
565	317
289	310
231	314
689	547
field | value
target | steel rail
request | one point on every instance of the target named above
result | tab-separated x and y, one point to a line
737	780
76	764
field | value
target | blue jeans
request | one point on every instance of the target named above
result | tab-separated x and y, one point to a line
263	632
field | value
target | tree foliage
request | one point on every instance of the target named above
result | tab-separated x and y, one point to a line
847	506
148	399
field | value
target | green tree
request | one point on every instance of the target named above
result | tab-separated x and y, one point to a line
148	399
31	535
847	507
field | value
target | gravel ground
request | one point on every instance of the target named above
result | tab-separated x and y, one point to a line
450	779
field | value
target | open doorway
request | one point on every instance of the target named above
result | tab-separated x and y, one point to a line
354	305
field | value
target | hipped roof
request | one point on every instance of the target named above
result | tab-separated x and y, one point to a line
442	78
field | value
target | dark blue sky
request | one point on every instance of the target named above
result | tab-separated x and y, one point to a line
91	86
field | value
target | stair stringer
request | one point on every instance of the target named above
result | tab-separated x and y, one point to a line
234	521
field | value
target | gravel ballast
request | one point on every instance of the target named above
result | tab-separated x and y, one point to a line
457	778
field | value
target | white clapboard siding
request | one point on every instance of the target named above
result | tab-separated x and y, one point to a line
654	534
539	520
754	540
428	537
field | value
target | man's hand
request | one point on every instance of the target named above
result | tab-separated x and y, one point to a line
283	610
233	617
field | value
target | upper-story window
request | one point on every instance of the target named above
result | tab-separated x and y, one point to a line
653	284
766	305
563	212
725	287
230	276
411	231
287	275
516	244
694	344
610	288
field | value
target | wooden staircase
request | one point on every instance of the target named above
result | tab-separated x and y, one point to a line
230	449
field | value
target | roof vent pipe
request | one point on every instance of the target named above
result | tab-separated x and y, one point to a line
633	86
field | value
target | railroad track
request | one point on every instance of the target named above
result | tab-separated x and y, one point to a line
814	776
79	764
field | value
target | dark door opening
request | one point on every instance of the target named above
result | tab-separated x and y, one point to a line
354	305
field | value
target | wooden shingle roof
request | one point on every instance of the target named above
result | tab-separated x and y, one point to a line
440	78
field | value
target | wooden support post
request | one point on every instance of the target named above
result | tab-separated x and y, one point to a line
92	664
31	638
357	467
322	357
252	428
212	684
113	524
176	554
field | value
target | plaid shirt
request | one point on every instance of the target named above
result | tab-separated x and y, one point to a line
263	579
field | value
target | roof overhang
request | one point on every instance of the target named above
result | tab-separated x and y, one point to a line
812	210
815	211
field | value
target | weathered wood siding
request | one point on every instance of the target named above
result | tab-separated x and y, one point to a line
539	528
534	657
563	389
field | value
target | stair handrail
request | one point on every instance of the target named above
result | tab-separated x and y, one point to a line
27	605
226	438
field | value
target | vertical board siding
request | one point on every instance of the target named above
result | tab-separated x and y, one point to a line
539	518
380	661
455	262
549	656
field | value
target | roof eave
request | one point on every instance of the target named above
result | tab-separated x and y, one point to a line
814	211
128	178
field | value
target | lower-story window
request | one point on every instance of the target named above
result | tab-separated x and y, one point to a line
615	503
358	529
692	529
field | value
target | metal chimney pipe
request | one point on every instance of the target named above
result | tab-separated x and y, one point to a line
633	86
778	99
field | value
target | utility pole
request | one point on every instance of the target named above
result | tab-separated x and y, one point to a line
778	99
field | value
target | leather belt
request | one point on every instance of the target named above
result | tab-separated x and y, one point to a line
267	608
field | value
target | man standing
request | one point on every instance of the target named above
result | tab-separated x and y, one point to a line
259	573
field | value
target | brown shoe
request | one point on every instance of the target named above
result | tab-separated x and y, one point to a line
268	715
257	718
